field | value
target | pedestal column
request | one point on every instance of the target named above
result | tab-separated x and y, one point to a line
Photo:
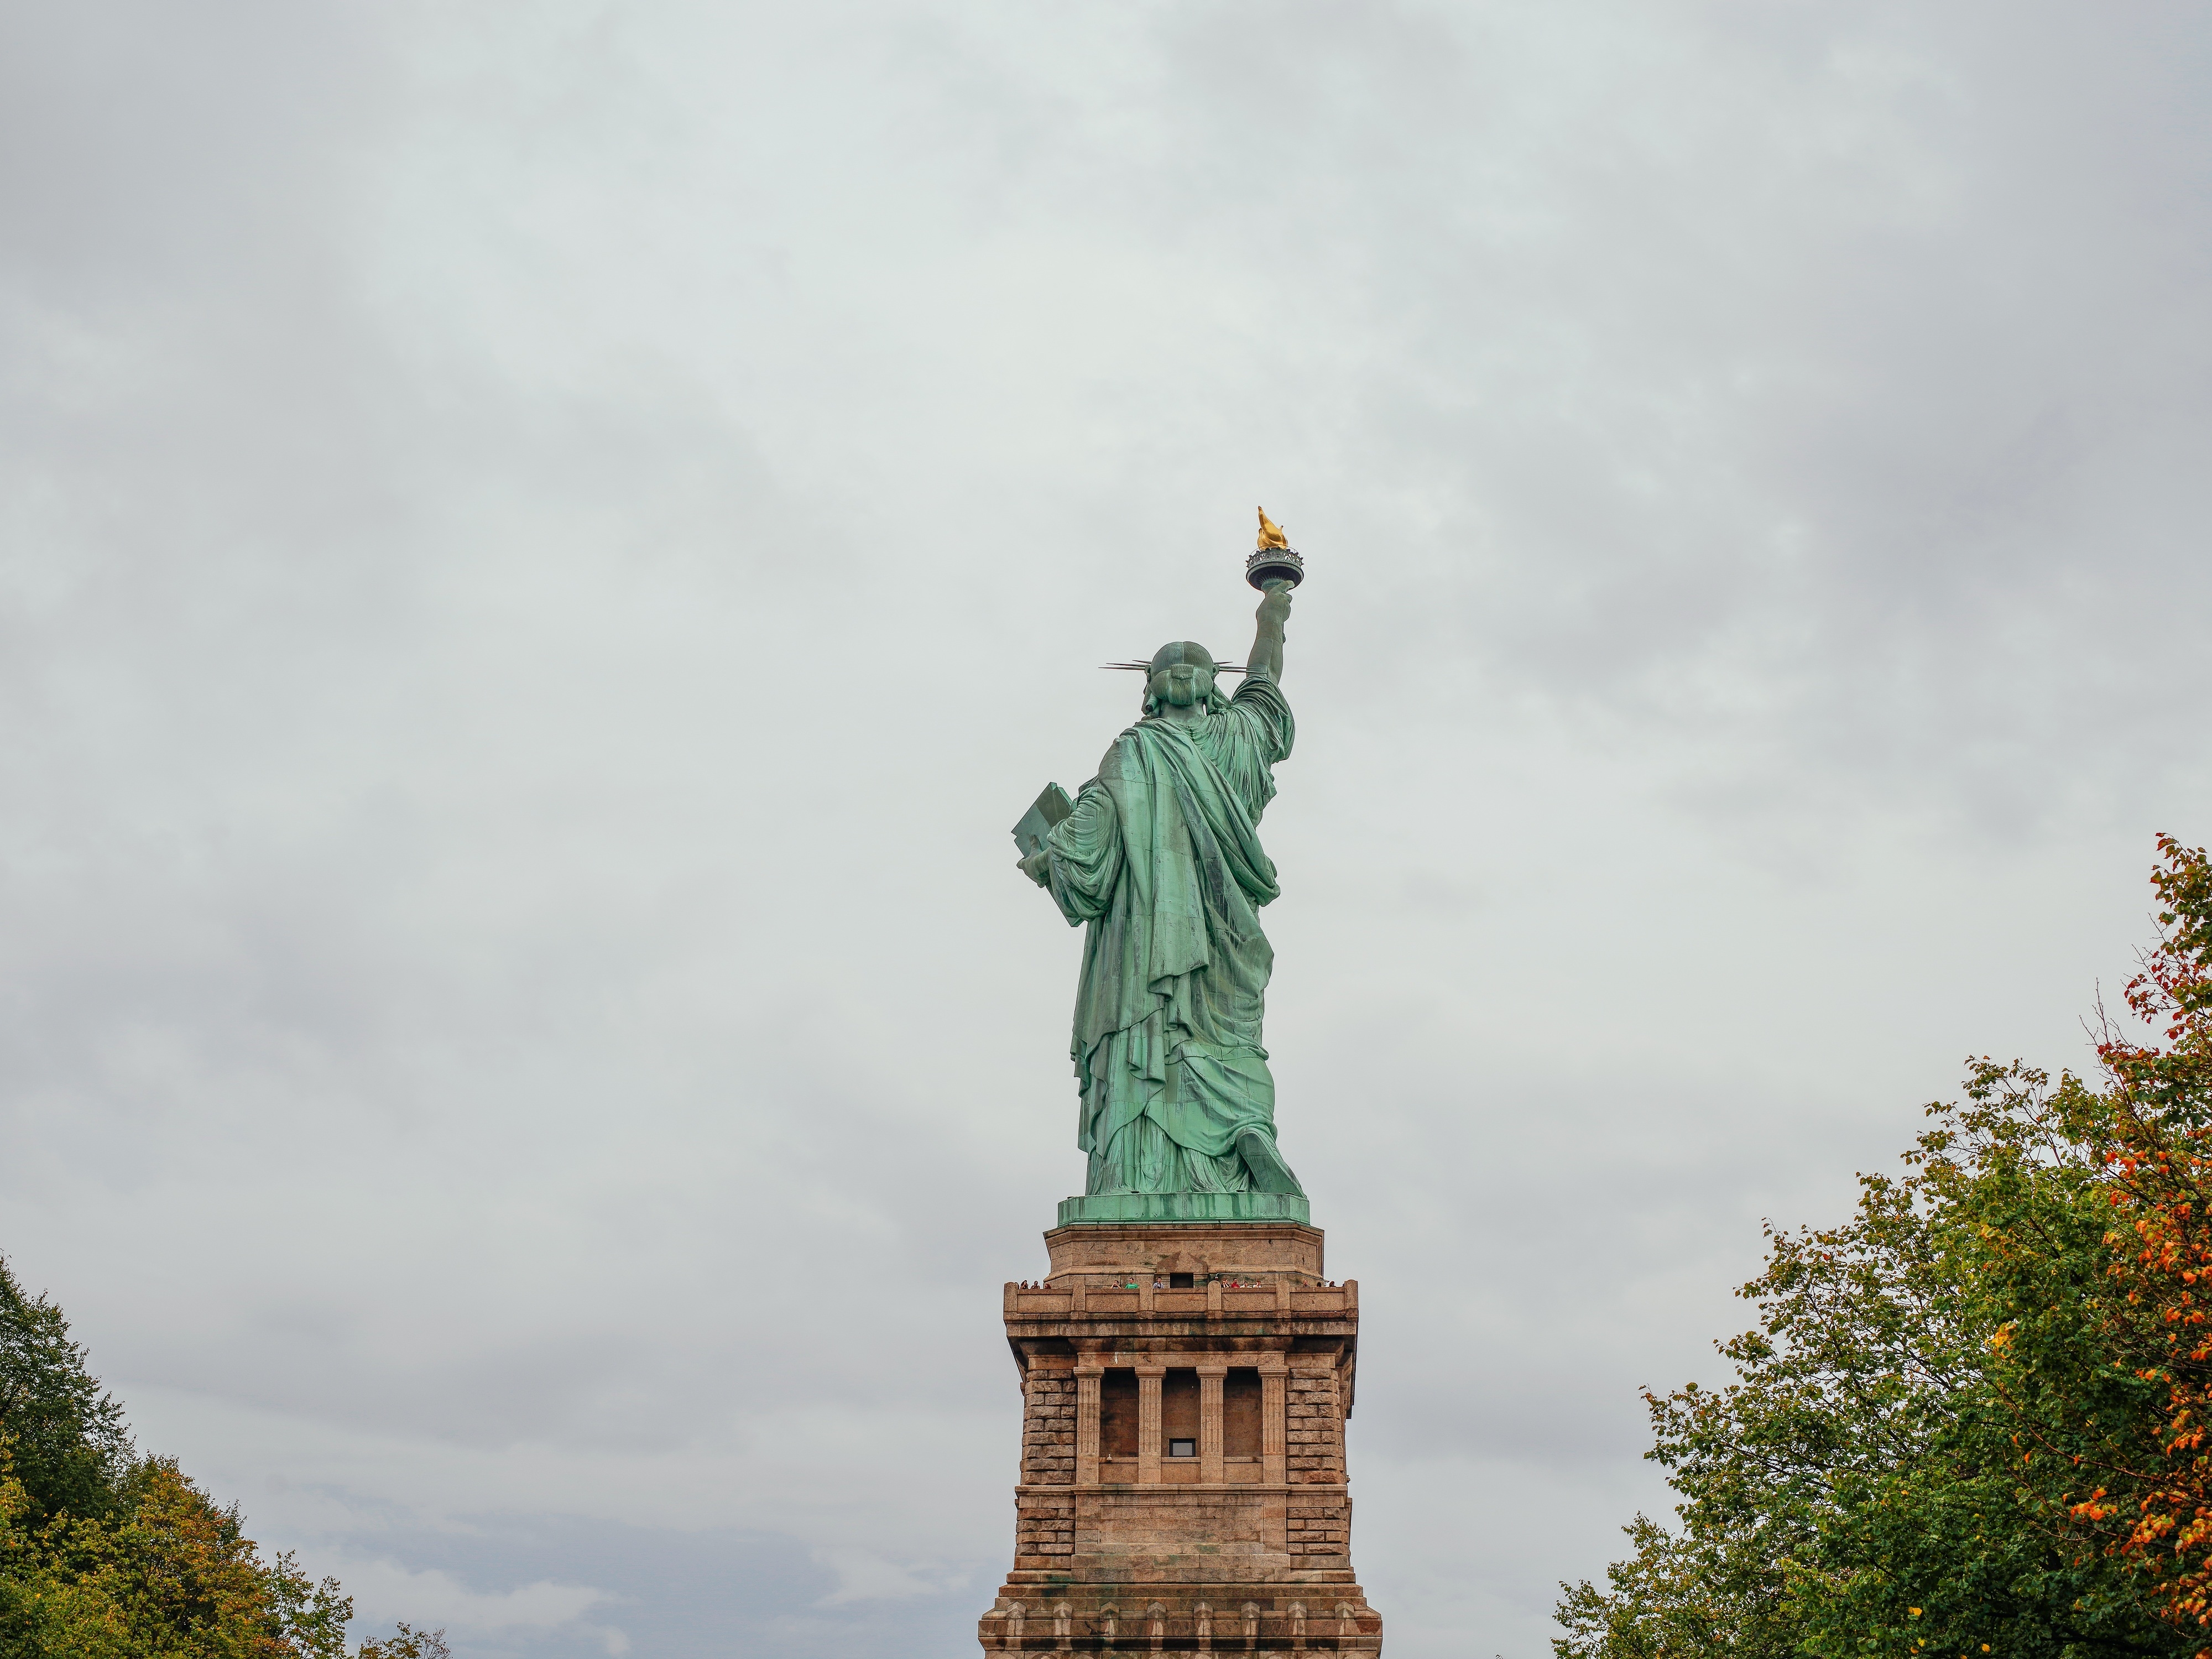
1210	1379
1274	1416
1148	1423
1087	1379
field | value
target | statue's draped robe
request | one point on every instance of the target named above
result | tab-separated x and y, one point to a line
1161	858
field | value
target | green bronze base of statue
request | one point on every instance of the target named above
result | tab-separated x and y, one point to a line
1160	860
1125	1207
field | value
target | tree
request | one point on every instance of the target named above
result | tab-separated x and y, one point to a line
1971	1419
2150	1131
107	1555
409	1643
171	1575
70	1447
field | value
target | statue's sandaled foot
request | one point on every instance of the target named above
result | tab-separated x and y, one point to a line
1269	1173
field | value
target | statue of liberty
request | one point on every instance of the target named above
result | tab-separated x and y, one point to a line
1160	859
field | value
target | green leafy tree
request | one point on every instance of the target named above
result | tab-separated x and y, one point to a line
409	1643
71	1451
1972	1418
107	1555
171	1575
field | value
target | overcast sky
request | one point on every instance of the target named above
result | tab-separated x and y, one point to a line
542	546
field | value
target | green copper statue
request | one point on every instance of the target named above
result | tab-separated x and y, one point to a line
1160	859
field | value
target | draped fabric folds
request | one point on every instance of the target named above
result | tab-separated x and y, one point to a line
1161	859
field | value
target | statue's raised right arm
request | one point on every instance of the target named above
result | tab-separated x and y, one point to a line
1266	659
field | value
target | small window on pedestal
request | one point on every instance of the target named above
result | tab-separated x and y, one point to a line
1182	1281
1179	1411
1182	1449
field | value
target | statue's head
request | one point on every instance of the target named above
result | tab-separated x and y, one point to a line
1180	674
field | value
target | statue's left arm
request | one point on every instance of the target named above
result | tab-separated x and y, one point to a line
1082	858
1265	660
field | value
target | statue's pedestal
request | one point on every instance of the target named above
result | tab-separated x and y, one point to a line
1182	1489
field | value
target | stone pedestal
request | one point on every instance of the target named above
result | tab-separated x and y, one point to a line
1182	1487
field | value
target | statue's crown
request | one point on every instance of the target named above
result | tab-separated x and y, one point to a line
1146	667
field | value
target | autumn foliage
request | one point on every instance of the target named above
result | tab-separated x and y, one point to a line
1972	1419
105	1554
2153	1123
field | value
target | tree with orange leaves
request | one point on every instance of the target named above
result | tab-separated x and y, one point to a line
2149	1132
1971	1419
